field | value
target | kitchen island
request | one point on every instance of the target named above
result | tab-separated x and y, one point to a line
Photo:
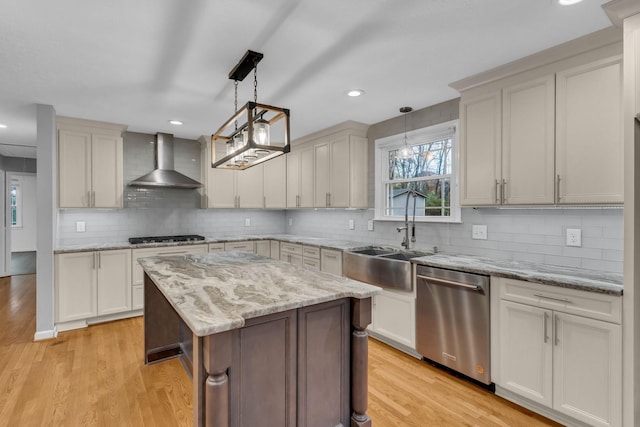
266	342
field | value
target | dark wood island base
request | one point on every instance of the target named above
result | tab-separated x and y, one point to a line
300	367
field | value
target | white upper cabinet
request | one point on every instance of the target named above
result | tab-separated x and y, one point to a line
275	183
250	187
544	132
528	142
221	188
480	119
330	169
589	133
89	164
235	189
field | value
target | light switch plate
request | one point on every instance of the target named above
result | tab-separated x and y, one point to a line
370	225
574	237
351	224
247	222
80	226
479	232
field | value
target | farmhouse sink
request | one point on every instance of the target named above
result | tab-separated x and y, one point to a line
384	267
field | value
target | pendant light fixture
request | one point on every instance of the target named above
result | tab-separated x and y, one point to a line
406	152
253	141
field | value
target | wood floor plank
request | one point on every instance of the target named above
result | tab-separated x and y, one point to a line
96	377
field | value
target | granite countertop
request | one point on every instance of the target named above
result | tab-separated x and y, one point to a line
573	278
341	245
217	292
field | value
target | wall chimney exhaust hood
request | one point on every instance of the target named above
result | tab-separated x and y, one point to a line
164	175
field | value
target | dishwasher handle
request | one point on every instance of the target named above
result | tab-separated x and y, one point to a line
444	282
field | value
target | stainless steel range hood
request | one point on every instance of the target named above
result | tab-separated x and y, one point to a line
164	175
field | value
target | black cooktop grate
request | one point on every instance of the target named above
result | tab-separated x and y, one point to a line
168	239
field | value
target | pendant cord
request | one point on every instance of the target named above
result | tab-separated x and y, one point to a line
235	104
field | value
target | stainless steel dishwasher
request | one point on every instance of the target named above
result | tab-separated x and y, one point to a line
452	320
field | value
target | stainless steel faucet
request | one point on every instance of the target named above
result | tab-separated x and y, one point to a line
405	240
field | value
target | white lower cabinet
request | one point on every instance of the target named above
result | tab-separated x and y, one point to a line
247	246
552	357
263	248
138	274
331	261
91	284
394	317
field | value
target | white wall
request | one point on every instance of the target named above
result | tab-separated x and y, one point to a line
24	238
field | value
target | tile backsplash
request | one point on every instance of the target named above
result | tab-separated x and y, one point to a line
104	226
533	235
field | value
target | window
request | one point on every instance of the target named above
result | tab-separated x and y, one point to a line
16	203
428	179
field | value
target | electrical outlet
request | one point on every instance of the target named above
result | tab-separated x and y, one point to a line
247	222
352	225
370	225
80	226
290	222
479	232
574	237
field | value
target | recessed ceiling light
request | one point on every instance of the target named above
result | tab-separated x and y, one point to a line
355	92
568	2
3	126
176	122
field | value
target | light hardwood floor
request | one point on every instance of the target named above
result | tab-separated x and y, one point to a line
96	377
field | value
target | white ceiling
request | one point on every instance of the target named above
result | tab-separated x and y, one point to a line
144	62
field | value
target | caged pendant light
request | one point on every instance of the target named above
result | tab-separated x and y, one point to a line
406	152
253	141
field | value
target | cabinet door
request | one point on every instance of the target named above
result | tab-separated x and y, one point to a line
589	142
528	142
221	188
263	248
359	172
106	171
480	150
340	166
293	179
275	183
275	249
587	369
322	175
394	317
114	281
306	179
74	169
76	286
250	190
331	261
526	351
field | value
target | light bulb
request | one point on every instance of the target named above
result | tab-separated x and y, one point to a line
261	132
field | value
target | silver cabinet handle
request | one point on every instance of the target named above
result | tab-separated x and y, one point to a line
88	199
546	336
565	300
93	199
93	262
331	256
326	199
297	201
555	330
174	253
558	188
264	201
99	260
502	191
497	192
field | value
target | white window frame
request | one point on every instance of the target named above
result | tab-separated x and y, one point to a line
16	182
416	137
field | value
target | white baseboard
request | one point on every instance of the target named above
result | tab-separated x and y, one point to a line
410	351
46	335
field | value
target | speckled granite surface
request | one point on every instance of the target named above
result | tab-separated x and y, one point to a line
217	292
315	241
588	280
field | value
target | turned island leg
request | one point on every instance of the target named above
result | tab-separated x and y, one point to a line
211	382
361	318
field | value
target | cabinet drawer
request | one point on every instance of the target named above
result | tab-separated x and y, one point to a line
582	303
331	261
291	248
311	263
311	252
216	247
240	246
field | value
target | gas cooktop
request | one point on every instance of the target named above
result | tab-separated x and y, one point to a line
162	239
